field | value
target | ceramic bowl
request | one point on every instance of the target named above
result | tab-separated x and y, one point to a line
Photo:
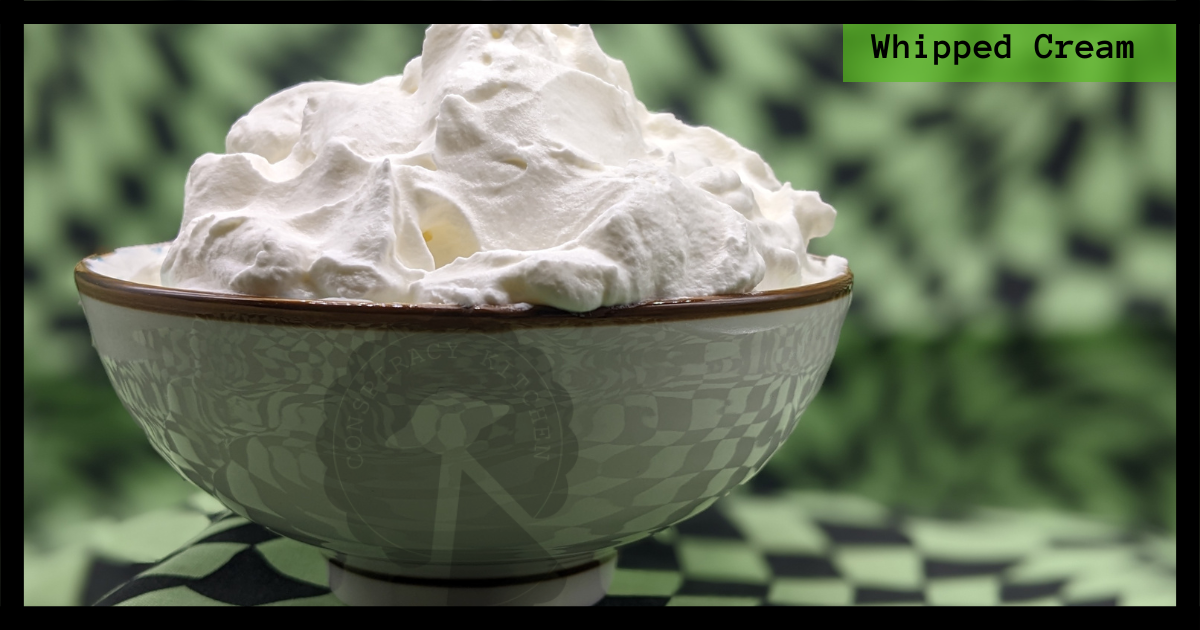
442	454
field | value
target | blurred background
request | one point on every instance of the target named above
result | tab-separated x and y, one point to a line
1012	336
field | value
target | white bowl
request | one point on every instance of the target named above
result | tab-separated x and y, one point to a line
442	454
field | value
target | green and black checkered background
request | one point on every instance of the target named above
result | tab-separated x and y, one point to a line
1012	337
775	548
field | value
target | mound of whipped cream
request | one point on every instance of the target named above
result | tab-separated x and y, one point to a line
507	164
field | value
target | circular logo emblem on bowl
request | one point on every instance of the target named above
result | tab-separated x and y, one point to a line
445	448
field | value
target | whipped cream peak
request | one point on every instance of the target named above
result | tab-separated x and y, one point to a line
507	164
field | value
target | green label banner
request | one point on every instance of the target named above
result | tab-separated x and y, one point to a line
1008	52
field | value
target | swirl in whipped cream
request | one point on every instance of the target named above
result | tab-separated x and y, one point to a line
507	164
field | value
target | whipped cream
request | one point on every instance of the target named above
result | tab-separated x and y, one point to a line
507	164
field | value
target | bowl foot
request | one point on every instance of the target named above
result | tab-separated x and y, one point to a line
579	586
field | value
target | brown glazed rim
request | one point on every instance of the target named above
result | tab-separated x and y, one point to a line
333	314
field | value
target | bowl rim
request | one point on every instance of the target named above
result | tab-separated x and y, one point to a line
330	313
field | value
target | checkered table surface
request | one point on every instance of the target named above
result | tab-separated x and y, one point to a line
788	548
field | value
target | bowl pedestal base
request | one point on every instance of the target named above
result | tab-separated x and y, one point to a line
580	586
